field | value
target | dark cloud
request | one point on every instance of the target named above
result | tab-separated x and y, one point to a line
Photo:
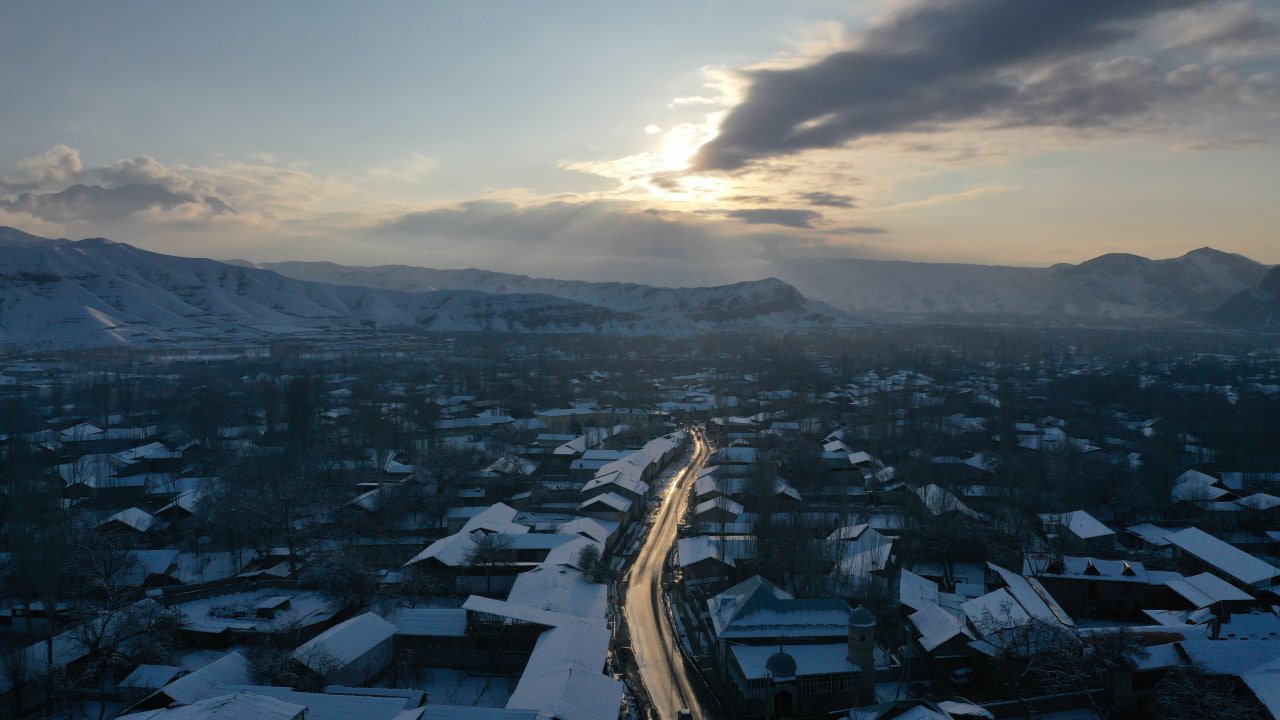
1228	30
785	217
751	199
936	63
94	203
826	199
866	230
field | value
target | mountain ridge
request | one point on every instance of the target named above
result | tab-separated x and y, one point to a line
102	292
1110	287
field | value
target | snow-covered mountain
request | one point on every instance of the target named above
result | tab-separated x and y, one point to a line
1257	307
739	302
59	293
1110	287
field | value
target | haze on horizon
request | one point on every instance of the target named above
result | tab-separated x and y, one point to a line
664	142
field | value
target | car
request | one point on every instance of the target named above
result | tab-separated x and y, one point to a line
684	714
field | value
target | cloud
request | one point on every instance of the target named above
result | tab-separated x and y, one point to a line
1229	30
95	204
939	63
963	195
866	230
410	169
784	217
826	199
143	170
58	164
601	239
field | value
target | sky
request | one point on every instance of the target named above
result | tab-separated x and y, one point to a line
675	143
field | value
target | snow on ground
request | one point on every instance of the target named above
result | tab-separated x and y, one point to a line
453	687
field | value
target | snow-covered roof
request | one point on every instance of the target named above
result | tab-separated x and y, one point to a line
1259	501
728	549
560	589
151	677
150	451
1194	485
628	480
916	592
563	676
1206	589
1079	523
1150	534
468	712
568	550
240	705
230	669
568	692
335	706
598	530
512	465
452	550
819	659
611	500
1227	559
431	622
345	642
997	609
1264	681
498	517
730	506
1032	597
938	500
134	518
519	613
756	608
936	626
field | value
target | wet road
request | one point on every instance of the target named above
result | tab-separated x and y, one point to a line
669	681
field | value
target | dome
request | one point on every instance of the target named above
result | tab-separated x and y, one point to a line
860	618
781	666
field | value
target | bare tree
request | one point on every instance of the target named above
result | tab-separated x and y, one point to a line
17	668
1037	656
488	551
1188	692
118	637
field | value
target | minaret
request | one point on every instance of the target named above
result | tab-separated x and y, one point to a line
862	652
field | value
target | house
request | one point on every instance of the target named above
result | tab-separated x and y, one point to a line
130	520
232	706
1078	532
146	679
1092	587
718	510
353	652
426	633
228	670
1194	486
783	656
1198	550
708	559
609	506
560	589
564	676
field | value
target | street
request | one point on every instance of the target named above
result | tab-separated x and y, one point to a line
668	679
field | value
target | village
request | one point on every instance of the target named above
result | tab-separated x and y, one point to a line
917	524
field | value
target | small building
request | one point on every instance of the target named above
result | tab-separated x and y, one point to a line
1078	532
786	657
353	652
1198	550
